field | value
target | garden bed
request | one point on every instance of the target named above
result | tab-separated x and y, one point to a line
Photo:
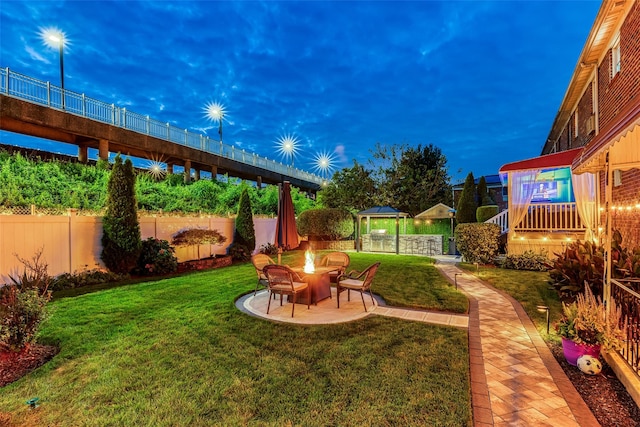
204	264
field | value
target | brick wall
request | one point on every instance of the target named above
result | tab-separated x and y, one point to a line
614	94
627	221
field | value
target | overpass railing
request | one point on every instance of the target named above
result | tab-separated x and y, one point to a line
44	93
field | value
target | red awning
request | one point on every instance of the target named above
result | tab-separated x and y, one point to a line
555	160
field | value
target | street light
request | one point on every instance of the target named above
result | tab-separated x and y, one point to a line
215	111
288	147
55	38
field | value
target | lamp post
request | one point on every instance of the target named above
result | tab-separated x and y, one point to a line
542	309
55	38
215	111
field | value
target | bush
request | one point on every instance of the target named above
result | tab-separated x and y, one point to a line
269	249
529	260
478	242
245	234
85	278
197	237
483	213
23	304
484	199
156	257
326	224
466	210
239	252
121	242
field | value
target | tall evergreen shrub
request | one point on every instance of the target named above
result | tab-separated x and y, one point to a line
466	211
484	199
121	243
244	236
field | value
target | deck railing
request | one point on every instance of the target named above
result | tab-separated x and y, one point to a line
551	217
44	93
502	219
626	294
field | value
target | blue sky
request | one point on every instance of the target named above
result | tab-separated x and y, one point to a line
480	80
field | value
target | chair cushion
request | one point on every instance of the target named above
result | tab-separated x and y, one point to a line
351	283
297	286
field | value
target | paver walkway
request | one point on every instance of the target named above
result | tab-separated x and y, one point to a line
515	380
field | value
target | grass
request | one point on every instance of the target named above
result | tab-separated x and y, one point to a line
530	289
177	352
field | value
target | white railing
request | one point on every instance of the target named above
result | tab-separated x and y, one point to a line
551	217
502	219
44	93
628	300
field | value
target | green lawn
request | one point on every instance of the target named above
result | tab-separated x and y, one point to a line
177	352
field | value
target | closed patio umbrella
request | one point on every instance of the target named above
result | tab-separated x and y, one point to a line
286	231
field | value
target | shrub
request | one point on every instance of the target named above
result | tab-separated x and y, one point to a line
239	252
269	249
326	224
529	260
483	197
23	304
121	242
245	234
483	213
85	278
197	237
466	211
583	262
478	242
156	257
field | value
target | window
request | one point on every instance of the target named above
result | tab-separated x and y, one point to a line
615	58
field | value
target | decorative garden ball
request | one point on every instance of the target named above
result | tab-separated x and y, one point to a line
589	365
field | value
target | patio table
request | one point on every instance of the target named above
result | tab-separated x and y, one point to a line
318	281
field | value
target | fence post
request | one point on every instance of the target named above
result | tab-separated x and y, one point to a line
168	132
124	117
48	94
186	137
6	82
148	124
84	105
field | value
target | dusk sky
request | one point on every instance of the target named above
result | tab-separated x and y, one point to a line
482	81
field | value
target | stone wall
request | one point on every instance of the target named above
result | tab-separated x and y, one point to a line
416	244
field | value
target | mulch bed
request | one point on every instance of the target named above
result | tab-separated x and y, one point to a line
604	394
15	365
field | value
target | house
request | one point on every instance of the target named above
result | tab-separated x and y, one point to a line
586	183
497	191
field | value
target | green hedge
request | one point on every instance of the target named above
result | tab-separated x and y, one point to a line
483	213
326	224
478	242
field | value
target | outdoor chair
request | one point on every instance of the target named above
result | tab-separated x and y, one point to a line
357	281
335	259
259	262
284	281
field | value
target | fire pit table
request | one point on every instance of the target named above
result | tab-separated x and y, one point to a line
318	281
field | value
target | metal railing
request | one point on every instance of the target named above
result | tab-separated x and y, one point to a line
627	298
551	217
44	93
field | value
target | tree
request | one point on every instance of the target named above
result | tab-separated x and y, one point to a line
412	179
484	199
121	243
244	236
351	188
466	211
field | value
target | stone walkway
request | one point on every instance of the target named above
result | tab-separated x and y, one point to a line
515	380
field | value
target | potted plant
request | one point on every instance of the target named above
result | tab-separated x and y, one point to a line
586	327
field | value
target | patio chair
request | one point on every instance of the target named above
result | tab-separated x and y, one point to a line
357	281
284	281
259	262
335	259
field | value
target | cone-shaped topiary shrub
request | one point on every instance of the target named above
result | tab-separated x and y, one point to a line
244	236
466	211
121	243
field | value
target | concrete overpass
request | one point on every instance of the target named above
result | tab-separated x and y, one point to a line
88	123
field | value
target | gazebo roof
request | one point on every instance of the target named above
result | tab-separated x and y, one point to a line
382	211
438	211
